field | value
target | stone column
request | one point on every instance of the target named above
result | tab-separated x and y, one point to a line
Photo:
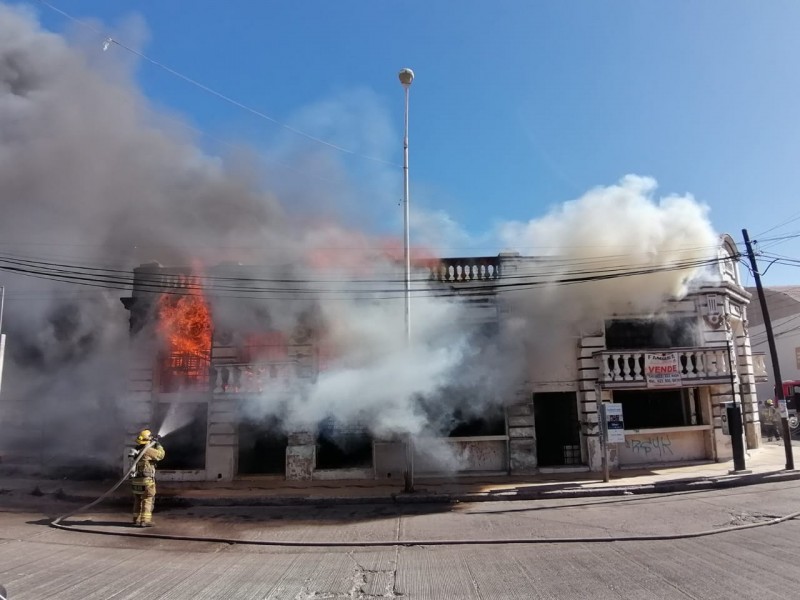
747	387
720	394
589	374
223	439
301	456
522	433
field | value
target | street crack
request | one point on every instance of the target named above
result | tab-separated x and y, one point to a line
739	518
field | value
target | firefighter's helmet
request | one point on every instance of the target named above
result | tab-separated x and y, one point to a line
769	402
144	436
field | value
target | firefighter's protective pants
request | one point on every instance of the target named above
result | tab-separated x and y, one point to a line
144	496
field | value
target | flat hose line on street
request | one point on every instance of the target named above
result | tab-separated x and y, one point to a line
57	523
389	543
494	541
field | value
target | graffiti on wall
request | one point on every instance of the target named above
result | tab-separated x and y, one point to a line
656	446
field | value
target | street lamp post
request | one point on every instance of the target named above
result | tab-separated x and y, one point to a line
406	77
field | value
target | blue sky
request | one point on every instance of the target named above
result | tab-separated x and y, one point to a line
516	107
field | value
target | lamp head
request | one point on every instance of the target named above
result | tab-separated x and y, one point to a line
406	77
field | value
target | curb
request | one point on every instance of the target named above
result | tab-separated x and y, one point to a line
168	500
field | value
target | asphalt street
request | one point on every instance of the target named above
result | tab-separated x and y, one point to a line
39	562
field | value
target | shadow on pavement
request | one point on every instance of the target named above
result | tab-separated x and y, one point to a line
307	515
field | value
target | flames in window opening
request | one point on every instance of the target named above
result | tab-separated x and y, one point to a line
184	323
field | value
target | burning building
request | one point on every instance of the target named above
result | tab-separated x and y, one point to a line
239	399
297	365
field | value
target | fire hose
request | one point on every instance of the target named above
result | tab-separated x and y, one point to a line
405	543
57	521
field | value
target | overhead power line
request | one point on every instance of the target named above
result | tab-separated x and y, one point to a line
110	40
241	287
538	267
791	219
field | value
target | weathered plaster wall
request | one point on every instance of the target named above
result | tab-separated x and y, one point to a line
662	446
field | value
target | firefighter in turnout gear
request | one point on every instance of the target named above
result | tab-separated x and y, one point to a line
771	420
148	451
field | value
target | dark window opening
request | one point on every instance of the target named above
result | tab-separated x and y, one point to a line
647	409
557	429
637	334
184	427
491	423
262	447
343	447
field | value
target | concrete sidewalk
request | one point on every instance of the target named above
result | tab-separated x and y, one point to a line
763	465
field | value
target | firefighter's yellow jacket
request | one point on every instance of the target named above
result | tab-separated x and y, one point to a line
146	467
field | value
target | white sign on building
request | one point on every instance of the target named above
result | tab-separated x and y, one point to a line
662	369
615	426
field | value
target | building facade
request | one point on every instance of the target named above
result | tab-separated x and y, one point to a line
783	304
548	421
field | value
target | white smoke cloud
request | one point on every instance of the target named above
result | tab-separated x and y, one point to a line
378	379
618	229
587	252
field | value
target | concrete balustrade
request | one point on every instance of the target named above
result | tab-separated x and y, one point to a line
696	366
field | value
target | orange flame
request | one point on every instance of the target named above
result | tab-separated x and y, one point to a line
185	323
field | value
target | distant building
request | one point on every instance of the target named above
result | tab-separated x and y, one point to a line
784	311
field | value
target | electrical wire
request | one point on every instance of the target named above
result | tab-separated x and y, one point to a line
109	40
757	340
432	289
791	219
554	262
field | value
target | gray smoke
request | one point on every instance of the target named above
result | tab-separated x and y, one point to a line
88	178
91	175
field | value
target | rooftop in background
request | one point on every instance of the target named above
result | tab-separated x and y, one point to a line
782	301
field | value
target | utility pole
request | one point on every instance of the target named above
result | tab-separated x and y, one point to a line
776	368
2	335
734	415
